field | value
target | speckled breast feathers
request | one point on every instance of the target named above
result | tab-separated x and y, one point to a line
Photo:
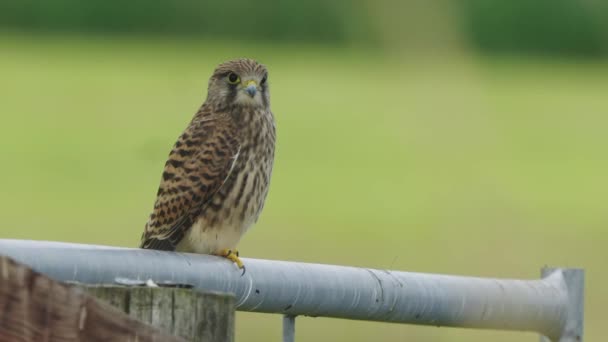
216	178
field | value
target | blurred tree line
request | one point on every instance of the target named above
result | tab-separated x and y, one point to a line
567	27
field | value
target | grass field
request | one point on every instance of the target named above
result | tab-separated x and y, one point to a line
458	165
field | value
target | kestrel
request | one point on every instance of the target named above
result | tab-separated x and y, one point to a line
215	182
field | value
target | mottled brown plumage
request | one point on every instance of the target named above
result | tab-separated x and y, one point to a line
215	182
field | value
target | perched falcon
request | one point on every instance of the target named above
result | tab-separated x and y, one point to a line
215	182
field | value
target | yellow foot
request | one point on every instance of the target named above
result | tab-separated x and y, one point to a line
232	255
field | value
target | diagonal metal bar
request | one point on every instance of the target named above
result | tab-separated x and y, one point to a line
292	288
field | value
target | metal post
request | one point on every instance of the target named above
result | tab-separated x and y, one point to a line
289	328
574	282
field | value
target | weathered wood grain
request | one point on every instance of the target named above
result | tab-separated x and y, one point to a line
36	308
193	315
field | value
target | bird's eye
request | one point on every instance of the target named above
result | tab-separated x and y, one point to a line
233	78
264	79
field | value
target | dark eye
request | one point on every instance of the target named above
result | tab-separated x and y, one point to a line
264	79
233	78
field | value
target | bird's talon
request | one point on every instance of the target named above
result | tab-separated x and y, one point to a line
234	257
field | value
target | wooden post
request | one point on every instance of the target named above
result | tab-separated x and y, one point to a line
37	308
190	314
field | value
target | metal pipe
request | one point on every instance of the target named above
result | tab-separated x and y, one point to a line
293	288
289	328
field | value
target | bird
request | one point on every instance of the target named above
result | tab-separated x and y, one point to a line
216	179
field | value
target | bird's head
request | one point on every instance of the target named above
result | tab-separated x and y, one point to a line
240	82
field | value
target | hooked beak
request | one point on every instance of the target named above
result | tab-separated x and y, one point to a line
252	88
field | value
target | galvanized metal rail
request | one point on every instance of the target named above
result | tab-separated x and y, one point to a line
552	306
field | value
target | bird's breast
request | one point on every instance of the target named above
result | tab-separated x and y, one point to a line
238	203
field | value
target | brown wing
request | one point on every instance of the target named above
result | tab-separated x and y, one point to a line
198	166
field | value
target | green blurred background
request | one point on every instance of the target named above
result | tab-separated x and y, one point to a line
461	137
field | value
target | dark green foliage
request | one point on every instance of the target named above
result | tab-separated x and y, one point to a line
558	27
313	20
567	27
